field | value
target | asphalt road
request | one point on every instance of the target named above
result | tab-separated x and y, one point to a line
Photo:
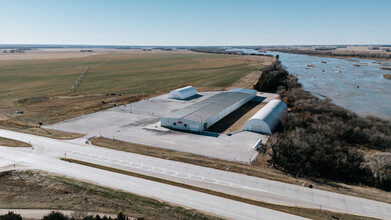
46	149
46	153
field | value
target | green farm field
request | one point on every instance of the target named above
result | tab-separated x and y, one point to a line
41	88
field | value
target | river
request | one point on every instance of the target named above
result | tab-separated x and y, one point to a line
355	84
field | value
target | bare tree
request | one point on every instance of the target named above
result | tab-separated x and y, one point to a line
272	144
380	166
79	214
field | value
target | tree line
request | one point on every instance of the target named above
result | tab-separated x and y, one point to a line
56	215
317	138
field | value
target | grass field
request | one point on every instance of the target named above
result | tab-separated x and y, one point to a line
41	88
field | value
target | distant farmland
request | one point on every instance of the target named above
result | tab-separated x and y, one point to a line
41	88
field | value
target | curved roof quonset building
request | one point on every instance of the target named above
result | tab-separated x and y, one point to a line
266	119
203	114
183	93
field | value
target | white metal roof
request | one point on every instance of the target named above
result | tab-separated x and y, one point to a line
183	93
266	119
207	108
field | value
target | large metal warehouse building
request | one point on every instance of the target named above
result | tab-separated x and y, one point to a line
266	119
183	93
203	114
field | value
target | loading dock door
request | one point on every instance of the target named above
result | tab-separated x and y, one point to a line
194	128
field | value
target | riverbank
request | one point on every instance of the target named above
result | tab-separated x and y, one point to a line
355	84
319	139
329	54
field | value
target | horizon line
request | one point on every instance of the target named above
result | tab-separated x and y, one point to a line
255	45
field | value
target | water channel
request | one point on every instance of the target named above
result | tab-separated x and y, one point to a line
356	84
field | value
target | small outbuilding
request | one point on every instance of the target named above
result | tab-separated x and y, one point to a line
183	93
266	119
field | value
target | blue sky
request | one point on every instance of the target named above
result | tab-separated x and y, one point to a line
188	22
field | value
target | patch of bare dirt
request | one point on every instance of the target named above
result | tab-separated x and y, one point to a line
248	81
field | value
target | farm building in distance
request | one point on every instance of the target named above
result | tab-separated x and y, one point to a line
183	93
88	51
266	119
203	114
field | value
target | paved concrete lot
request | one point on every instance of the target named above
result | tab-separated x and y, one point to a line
47	151
140	123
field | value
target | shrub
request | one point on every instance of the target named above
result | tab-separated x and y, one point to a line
55	216
10	216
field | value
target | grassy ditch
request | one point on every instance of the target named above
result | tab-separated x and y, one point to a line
305	212
13	143
39	190
45	132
